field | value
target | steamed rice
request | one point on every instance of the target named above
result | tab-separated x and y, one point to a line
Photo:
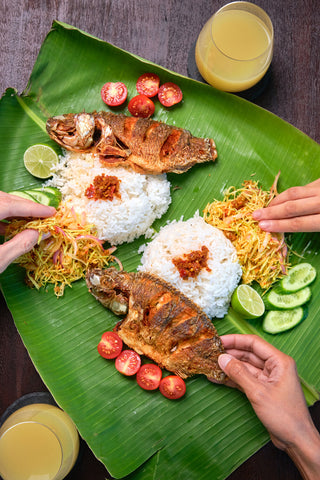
210	290
144	198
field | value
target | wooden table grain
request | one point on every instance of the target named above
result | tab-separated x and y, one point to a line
163	32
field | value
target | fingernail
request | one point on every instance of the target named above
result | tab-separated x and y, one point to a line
45	236
256	214
265	225
224	359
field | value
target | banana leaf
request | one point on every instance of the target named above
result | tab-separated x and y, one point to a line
136	433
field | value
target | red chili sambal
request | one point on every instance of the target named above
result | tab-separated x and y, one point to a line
191	264
104	187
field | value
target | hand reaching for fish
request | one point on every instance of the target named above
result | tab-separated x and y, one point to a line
14	206
145	145
297	209
269	379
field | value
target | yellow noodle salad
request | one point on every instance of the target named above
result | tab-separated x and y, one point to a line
263	256
65	255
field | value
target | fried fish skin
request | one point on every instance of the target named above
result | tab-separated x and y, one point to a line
160	322
145	145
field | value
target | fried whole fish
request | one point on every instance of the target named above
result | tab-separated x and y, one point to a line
146	145
160	322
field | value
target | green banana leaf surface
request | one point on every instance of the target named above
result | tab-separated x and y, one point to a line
135	433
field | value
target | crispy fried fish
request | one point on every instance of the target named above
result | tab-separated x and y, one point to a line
146	145
160	322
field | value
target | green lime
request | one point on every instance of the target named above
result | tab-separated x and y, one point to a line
247	301
39	159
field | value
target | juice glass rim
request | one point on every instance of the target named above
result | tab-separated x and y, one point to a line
253	6
42	425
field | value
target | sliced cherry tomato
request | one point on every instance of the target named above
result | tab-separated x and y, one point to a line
114	93
148	84
172	387
141	106
110	345
169	94
149	376
128	362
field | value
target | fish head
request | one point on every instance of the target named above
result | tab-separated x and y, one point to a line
110	287
72	131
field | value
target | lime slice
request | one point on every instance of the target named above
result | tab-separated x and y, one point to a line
39	159
247	301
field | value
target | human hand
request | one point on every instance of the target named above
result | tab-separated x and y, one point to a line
270	381
14	206
297	209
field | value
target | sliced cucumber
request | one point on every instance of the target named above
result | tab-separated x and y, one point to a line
53	193
298	277
39	196
23	195
284	301
47	195
52	190
277	321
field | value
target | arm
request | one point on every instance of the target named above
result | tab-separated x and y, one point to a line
294	210
270	381
14	206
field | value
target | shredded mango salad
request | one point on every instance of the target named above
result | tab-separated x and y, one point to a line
63	257
262	255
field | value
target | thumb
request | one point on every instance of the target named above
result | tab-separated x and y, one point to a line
237	372
18	245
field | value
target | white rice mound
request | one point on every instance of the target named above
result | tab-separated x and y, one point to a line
210	290
144	198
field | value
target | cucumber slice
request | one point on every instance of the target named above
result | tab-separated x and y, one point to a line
53	190
23	195
277	321
46	195
298	277
39	196
53	193
283	301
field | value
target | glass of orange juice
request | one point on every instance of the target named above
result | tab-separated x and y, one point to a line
38	442
234	48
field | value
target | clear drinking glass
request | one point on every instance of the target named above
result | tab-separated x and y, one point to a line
234	49
38	442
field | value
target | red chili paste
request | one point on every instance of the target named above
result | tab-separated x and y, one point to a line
191	264
104	187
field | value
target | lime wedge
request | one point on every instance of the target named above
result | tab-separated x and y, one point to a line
39	159
247	301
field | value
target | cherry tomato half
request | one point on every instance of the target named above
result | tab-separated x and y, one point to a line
169	94
128	362
172	387
114	93
110	345
141	106
148	84
149	376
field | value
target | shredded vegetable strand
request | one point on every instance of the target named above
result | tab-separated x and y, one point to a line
63	257
263	256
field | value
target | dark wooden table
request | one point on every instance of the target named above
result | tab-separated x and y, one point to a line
163	32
